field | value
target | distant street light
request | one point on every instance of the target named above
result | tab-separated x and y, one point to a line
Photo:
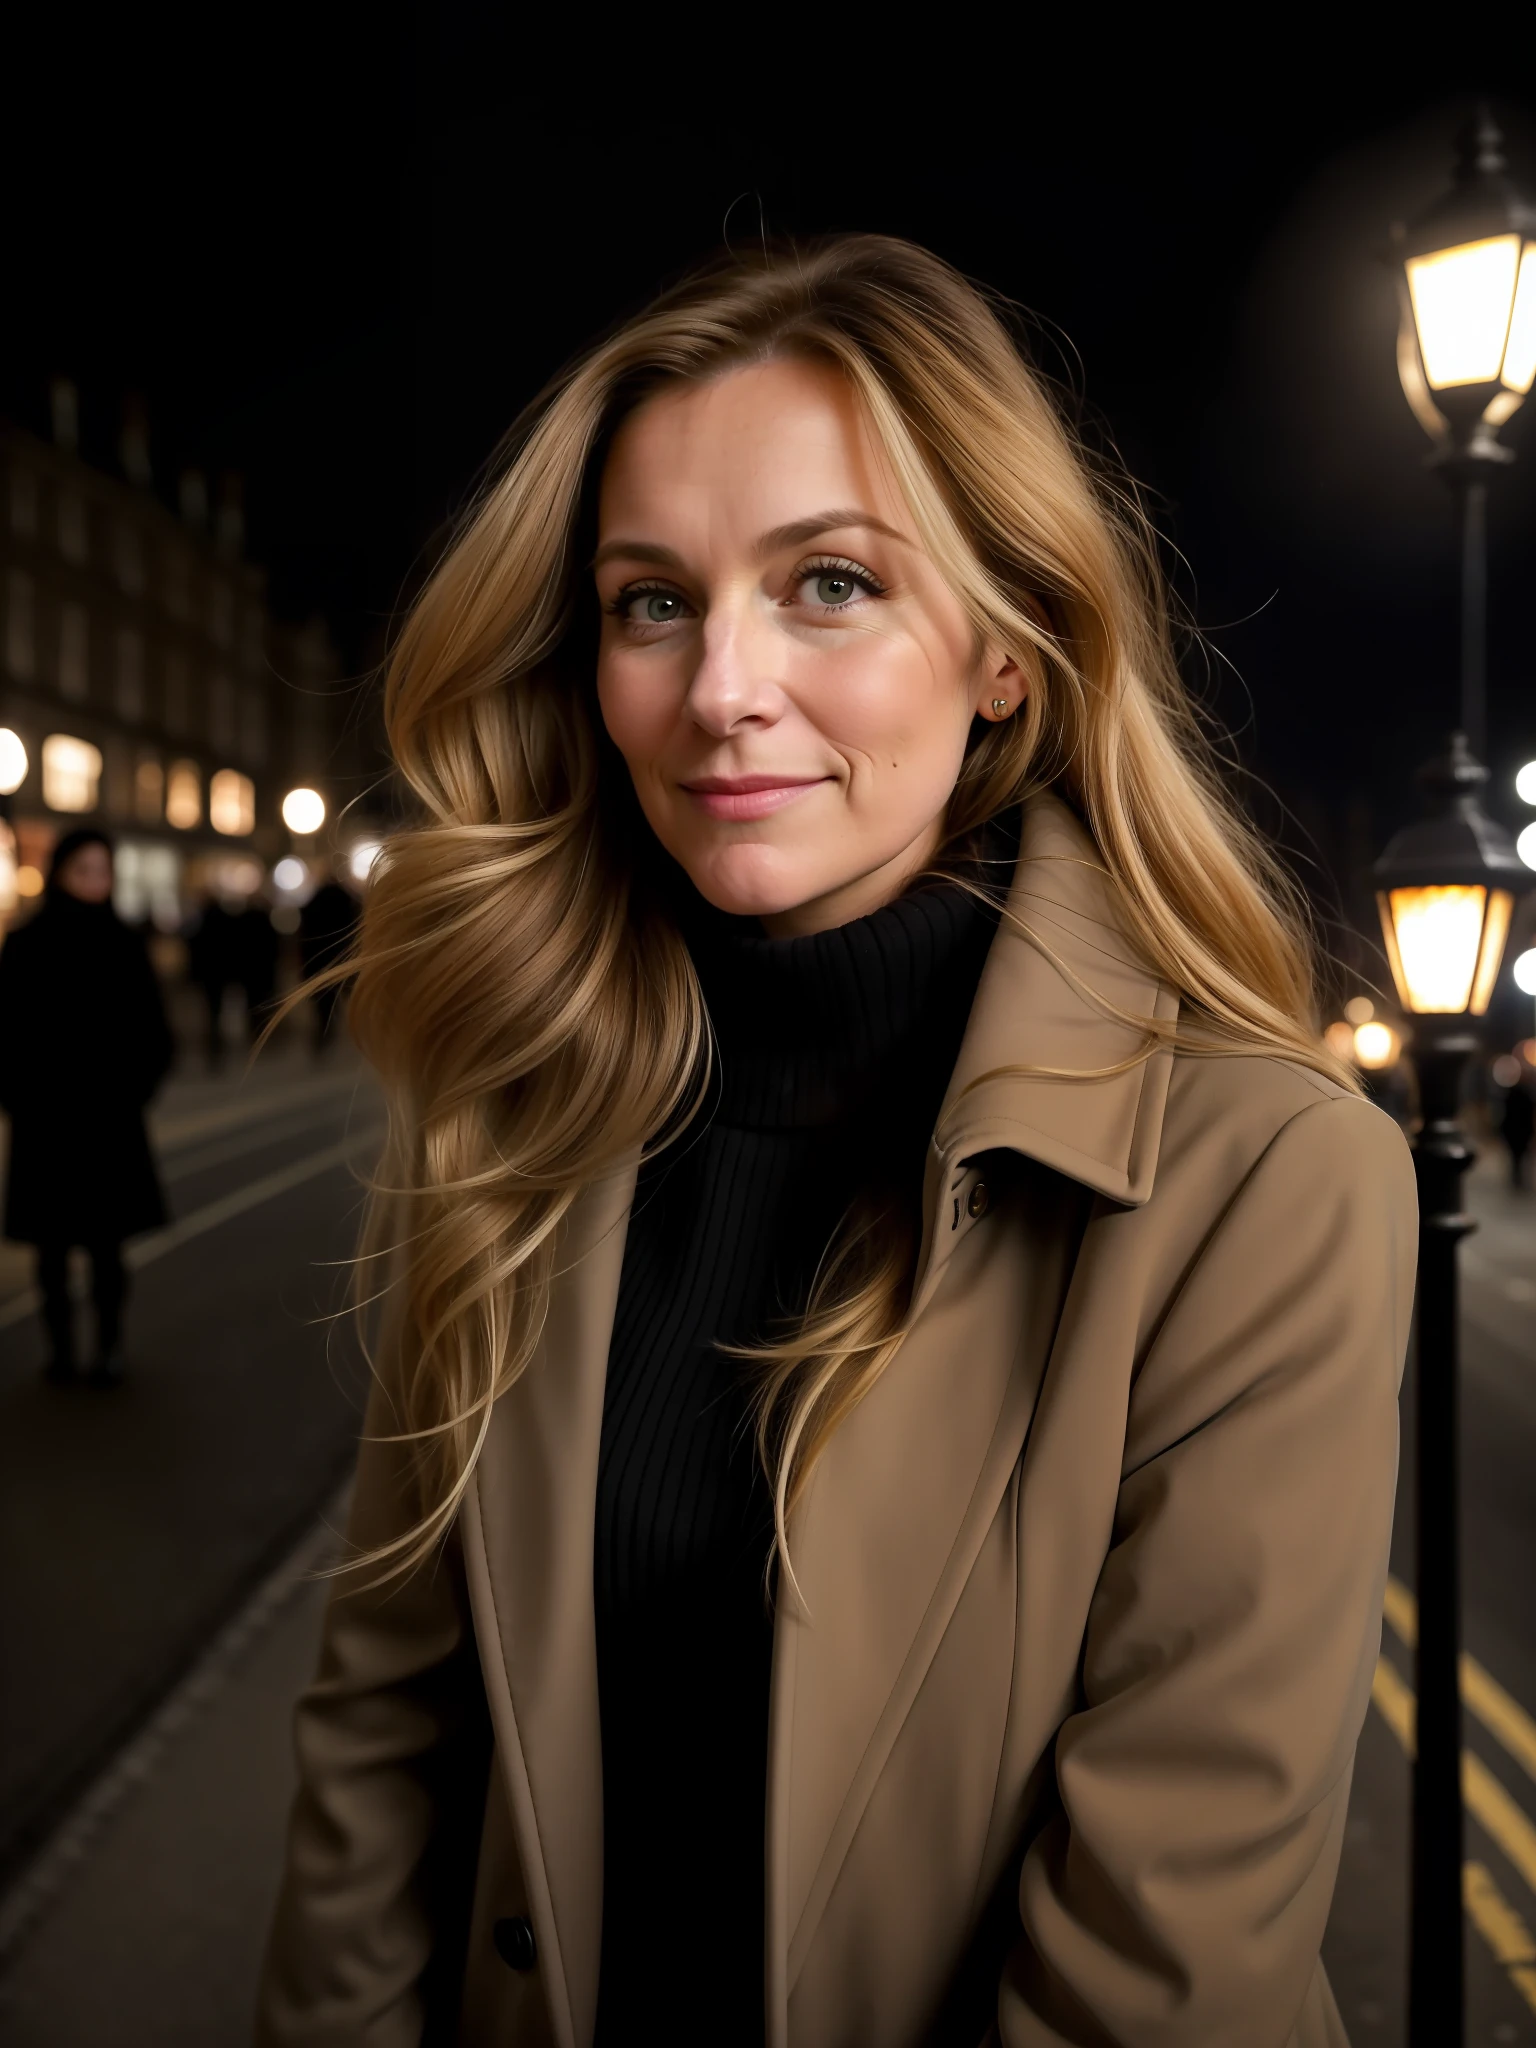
1525	972
1525	846
303	811
1446	891
1467	357
1525	783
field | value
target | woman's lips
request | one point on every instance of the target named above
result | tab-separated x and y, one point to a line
747	796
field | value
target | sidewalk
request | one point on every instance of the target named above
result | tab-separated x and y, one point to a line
142	1925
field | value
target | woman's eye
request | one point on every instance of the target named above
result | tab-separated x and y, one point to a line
653	607
834	587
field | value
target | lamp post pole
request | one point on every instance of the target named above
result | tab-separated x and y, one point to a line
1474	610
1441	1155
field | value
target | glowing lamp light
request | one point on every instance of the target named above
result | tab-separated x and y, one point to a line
1525	846
1525	976
1359	1009
13	761
1446	889
303	811
1469	267
290	875
1525	783
1376	1045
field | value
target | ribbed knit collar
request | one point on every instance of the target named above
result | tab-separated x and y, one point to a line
810	1029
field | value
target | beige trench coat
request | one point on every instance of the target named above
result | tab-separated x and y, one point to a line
1061	1736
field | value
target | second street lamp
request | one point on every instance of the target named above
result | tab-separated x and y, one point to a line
1447	888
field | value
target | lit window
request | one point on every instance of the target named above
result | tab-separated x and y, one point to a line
183	796
149	790
74	647
231	802
72	535
23	501
71	772
130	675
20	635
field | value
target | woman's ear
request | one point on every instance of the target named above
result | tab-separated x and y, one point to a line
1002	688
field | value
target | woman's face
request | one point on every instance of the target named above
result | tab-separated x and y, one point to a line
87	874
788	678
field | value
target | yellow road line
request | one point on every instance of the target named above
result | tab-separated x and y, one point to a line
1502	1716
1501	1927
1500	1817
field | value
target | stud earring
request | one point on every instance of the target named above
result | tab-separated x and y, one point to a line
1000	705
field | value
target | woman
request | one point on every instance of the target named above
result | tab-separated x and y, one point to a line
83	1046
874	1512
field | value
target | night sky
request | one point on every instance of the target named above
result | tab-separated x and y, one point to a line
341	272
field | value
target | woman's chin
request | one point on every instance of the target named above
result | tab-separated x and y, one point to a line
751	881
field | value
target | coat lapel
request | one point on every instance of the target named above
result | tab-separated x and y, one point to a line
528	1525
901	1500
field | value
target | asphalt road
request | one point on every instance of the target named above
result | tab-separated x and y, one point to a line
134	1526
133	1520
1367	1944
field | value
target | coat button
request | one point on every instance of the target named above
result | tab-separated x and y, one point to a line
514	1943
979	1201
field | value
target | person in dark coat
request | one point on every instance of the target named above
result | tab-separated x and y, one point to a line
255	956
213	963
84	1044
327	927
1517	1126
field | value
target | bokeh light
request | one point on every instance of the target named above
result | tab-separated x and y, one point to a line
362	858
290	875
1525	783
13	761
303	811
1525	971
1376	1045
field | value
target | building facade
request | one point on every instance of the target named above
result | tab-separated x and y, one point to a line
151	687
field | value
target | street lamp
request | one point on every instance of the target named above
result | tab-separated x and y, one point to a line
1446	892
1467	357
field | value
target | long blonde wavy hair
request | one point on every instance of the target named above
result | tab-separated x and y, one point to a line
520	988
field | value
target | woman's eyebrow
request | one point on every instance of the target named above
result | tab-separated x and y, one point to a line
795	534
798	531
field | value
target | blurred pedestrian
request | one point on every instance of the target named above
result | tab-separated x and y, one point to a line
1517	1126
212	962
255	962
83	1046
327	927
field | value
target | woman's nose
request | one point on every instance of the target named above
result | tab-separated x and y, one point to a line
734	684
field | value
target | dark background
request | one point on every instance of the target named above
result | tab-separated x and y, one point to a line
340	271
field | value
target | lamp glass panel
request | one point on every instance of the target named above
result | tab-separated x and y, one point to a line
1520	350
1495	932
1461	306
1438	935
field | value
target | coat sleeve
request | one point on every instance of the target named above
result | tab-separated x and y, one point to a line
391	1745
1180	1893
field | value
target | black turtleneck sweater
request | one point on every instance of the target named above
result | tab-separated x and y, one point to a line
834	1054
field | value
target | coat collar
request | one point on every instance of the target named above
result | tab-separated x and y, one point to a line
888	1530
1034	1073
